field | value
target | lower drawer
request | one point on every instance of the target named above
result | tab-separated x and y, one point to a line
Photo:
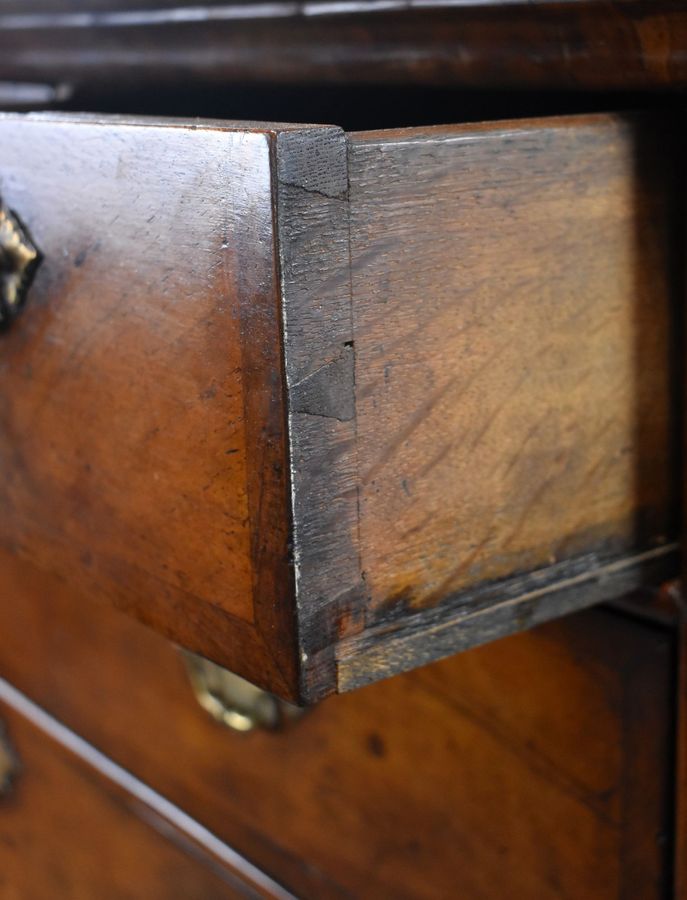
539	766
68	833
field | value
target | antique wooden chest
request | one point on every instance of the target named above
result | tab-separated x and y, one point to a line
319	405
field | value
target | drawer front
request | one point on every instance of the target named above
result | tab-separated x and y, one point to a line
539	766
141	415
324	407
69	833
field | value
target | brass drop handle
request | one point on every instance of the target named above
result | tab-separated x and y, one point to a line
19	259
234	702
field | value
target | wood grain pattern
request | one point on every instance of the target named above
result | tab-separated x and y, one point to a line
114	334
67	832
513	287
588	44
535	767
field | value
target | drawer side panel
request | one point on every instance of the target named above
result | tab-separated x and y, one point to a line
514	288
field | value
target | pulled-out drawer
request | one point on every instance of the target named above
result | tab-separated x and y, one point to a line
323	407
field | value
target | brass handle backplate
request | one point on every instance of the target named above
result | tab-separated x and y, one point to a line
19	259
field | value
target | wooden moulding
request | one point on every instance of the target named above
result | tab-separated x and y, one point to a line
324	407
109	45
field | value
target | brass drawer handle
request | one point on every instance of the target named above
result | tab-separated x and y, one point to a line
234	702
19	259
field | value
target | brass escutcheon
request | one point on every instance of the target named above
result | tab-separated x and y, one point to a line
19	259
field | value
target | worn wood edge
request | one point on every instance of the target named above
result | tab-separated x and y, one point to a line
57	117
391	647
467	132
144	800
319	371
